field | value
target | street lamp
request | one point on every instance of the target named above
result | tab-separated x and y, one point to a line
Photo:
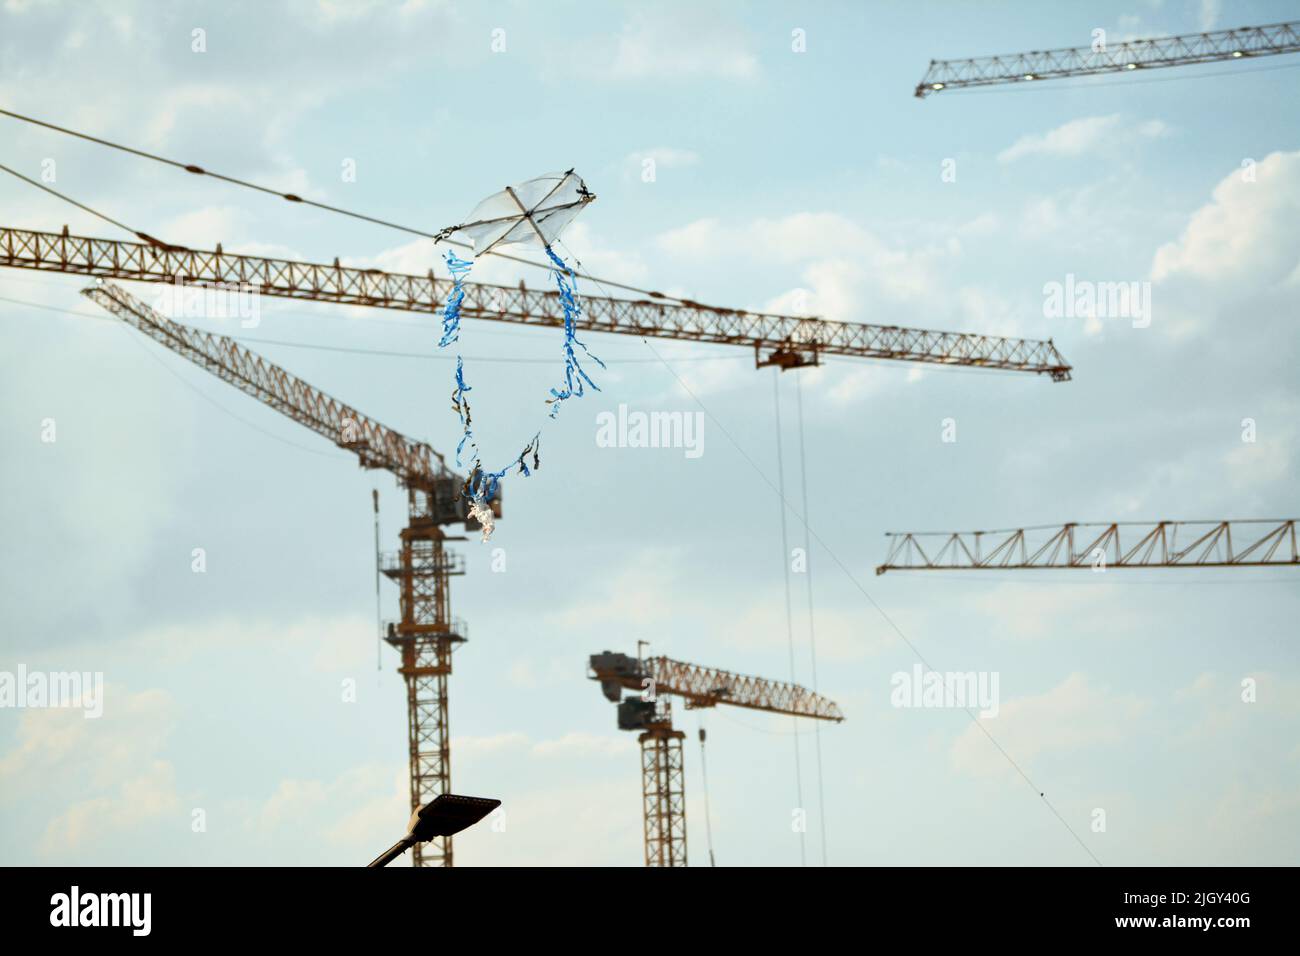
448	813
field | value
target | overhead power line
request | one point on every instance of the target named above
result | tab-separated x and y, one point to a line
290	197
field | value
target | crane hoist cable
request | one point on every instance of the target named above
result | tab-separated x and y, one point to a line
867	596
704	779
789	612
812	628
379	625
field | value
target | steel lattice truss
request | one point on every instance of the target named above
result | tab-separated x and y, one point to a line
376	445
1236	44
776	339
708	686
1204	544
425	637
426	633
663	796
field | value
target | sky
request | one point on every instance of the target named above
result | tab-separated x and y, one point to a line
784	179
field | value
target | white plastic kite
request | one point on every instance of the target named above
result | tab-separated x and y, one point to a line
531	213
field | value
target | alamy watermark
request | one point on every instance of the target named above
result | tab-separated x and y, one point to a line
219	300
939	689
129	910
629	429
1084	299
53	689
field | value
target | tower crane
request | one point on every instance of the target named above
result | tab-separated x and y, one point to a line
422	568
780	340
1233	45
1206	544
658	679
426	634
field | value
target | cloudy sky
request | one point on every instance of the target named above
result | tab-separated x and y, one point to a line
782	179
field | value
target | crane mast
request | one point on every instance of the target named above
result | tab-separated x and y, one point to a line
663	781
779	340
427	634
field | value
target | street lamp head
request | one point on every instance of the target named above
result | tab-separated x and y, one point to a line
446	814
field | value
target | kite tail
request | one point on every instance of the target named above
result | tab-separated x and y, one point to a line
459	268
460	404
481	486
574	375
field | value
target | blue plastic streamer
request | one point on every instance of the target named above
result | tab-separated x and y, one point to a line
566	281
459	268
481	486
461	405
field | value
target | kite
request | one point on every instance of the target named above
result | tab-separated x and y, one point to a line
530	214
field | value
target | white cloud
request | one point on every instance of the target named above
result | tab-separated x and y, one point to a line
1081	136
1041	217
1246	233
650	588
1027	611
1236	264
1251	465
838	261
833	268
99	777
528	674
841	635
181	101
1073	716
658	46
353	816
468	747
666	156
636	590
1209	16
595	823
584	745
662	157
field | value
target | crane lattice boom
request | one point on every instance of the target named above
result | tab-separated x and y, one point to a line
708	686
663	780
1206	544
777	339
1237	44
376	445
426	633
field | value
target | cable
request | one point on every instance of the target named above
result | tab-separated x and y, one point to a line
208	398
728	717
812	629
379	625
872	601
447	358
94	212
383	353
704	778
290	197
789	614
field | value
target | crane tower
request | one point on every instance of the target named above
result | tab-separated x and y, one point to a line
663	781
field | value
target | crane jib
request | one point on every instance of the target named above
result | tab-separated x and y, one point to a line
787	341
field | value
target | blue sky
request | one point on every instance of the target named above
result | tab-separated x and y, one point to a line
780	177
